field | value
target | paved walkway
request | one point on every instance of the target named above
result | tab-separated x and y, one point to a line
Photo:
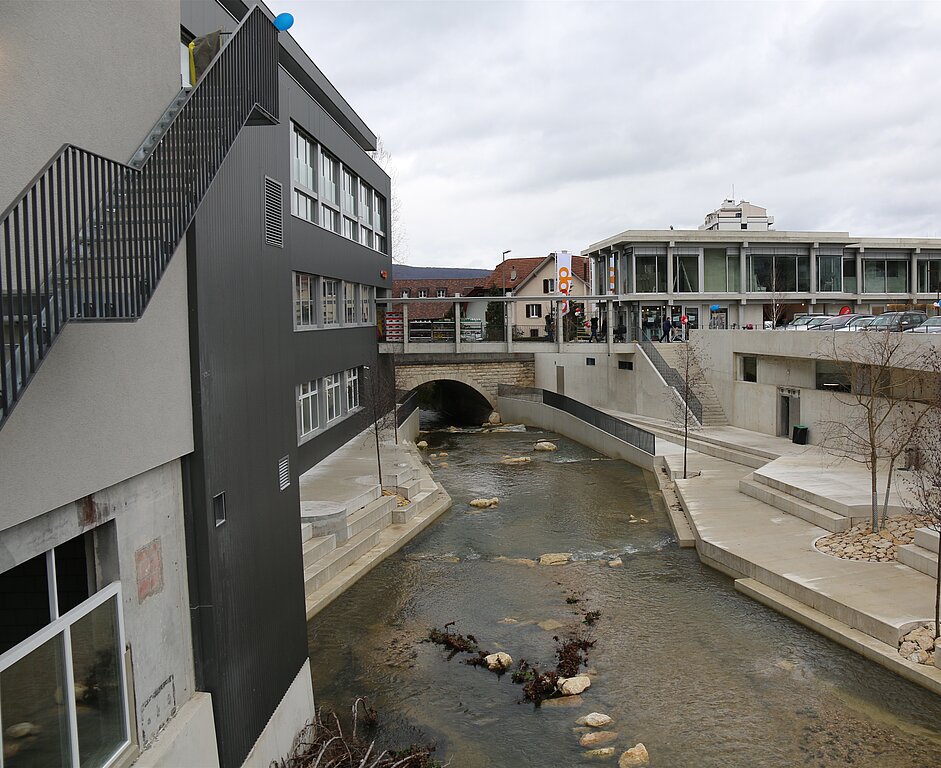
866	606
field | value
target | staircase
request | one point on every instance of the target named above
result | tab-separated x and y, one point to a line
90	238
670	362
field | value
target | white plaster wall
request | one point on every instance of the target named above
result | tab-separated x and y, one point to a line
97	74
111	400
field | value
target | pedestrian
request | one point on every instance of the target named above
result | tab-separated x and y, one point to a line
550	328
667	334
594	330
604	328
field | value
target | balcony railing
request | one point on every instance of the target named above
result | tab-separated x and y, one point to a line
89	238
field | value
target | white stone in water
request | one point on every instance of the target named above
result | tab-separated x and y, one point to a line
597	738
616	563
545	445
636	755
421	444
494	418
498	662
595	720
516	460
442	454
572	686
484	503
432	455
602	752
555	558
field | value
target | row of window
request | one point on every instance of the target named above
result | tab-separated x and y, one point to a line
320	402
325	301
327	193
440	293
721	272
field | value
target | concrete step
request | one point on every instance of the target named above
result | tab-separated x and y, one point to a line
317	548
805	510
374	516
804	494
332	563
410	488
307	532
922	554
418	503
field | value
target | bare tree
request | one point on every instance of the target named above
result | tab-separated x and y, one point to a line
690	358
882	376
378	396
924	485
399	243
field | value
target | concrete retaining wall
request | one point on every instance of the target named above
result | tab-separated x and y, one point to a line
540	415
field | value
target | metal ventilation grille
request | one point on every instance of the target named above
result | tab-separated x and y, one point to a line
274	214
284	472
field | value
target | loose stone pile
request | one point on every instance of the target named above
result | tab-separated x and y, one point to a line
860	543
594	741
918	645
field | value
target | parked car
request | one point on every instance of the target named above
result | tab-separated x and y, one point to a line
858	323
835	323
897	321
800	322
931	325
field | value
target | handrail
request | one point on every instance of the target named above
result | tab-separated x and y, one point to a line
91	237
673	378
639	438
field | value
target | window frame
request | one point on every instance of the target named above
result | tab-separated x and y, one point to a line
312	396
351	377
530	308
331	386
311	302
327	303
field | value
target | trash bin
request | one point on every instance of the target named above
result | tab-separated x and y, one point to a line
799	435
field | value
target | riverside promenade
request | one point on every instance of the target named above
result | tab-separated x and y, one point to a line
755	505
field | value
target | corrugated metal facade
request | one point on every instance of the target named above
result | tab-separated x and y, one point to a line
247	587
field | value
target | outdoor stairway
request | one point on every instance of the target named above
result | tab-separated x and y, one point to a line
672	355
90	237
922	553
758	487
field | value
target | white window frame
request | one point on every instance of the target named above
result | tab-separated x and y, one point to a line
406	293
308	402
422	293
307	158
330	181
533	311
331	300
441	293
350	193
62	625
349	303
366	313
309	303
350	229
352	389
331	387
365	203
329	218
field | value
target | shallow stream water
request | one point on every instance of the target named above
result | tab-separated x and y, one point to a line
700	674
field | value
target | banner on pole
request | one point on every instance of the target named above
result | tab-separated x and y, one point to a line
563	263
611	282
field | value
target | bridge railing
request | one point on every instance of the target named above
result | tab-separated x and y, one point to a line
639	438
405	405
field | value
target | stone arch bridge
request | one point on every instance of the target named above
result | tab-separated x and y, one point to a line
482	372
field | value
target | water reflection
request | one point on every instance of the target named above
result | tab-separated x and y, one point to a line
702	675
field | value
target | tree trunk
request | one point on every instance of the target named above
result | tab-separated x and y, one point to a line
937	598
888	486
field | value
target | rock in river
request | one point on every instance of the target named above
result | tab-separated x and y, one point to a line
421	444
603	752
636	755
597	738
572	686
545	445
516	460
484	503
555	558
498	662
595	720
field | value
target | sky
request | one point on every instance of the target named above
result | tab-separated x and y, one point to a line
544	126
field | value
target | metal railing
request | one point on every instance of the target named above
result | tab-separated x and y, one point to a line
672	377
406	404
639	438
89	238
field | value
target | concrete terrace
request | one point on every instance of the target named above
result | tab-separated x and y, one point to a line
757	504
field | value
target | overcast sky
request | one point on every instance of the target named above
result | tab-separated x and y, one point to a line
552	125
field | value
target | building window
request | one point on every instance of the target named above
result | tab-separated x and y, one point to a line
304	159
686	274
830	274
330	290
651	274
329	171
62	659
885	276
441	293
929	275
352	389
784	273
308	410
849	275
350	230
365	237
218	508
365	203
331	385
379	203
589	361
381	244
349	193
405	293
422	293
533	310
349	303
548	285
365	303
625	365
329	218
304	206
305	293
749	368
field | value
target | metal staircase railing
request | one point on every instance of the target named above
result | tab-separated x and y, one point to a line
672	377
89	238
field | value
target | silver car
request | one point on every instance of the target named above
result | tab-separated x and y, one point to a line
931	325
858	323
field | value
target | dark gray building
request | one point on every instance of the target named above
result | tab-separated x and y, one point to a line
198	283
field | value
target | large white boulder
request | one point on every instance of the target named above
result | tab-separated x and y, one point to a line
555	558
595	720
572	686
597	738
636	755
484	503
498	662
545	445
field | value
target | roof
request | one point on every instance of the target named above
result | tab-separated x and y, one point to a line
432	310
580	268
510	273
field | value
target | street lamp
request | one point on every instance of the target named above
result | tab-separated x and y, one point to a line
503	295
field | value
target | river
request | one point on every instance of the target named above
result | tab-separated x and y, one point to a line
700	674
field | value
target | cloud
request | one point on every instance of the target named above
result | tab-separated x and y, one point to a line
535	126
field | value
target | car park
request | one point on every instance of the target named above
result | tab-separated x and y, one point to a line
931	325
897	321
800	322
858	323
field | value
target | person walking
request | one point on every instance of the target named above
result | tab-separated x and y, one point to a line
550	328
594	330
667	328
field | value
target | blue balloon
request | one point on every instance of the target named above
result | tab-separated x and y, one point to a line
283	21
